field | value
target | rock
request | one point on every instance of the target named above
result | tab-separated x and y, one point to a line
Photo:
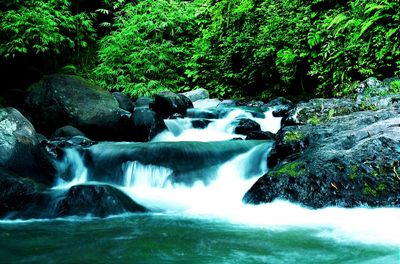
123	101
200	123
60	100
168	103
196	95
96	200
20	150
318	111
144	102
67	131
206	103
245	126
147	124
260	135
350	160
15	192
281	106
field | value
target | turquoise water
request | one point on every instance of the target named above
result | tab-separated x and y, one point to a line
158	238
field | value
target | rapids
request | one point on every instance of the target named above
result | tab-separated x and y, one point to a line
192	180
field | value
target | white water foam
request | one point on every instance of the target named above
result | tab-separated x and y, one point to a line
217	130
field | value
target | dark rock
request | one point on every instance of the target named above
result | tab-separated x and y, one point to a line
20	150
245	126
124	101
289	141
200	123
281	106
96	200
260	135
168	103
350	160
15	192
198	94
144	102
60	100
67	131
147	124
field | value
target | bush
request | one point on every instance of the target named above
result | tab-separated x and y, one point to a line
148	48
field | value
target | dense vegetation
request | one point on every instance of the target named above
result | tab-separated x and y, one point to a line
253	48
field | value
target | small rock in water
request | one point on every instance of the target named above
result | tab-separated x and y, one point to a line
96	200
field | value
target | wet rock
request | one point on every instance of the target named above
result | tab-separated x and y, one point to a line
196	95
318	111
96	200
260	135
168	103
67	131
124	102
147	124
200	123
20	150
15	192
281	106
60	100
245	126
144	102
349	161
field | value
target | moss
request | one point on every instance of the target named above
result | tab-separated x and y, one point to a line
353	172
292	169
368	190
314	120
293	136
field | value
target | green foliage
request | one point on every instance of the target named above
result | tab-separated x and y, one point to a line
292	136
249	48
39	27
361	41
146	52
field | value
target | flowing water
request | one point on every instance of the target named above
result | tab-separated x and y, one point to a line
193	180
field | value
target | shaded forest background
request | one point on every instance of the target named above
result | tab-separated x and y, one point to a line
250	48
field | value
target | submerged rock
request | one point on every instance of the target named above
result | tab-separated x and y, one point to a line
60	100
95	200
350	160
168	103
20	150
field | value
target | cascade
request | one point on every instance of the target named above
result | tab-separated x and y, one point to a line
202	173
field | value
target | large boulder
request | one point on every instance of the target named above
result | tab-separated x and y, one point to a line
168	103
15	192
198	94
348	161
60	100
147	124
95	200
20	150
